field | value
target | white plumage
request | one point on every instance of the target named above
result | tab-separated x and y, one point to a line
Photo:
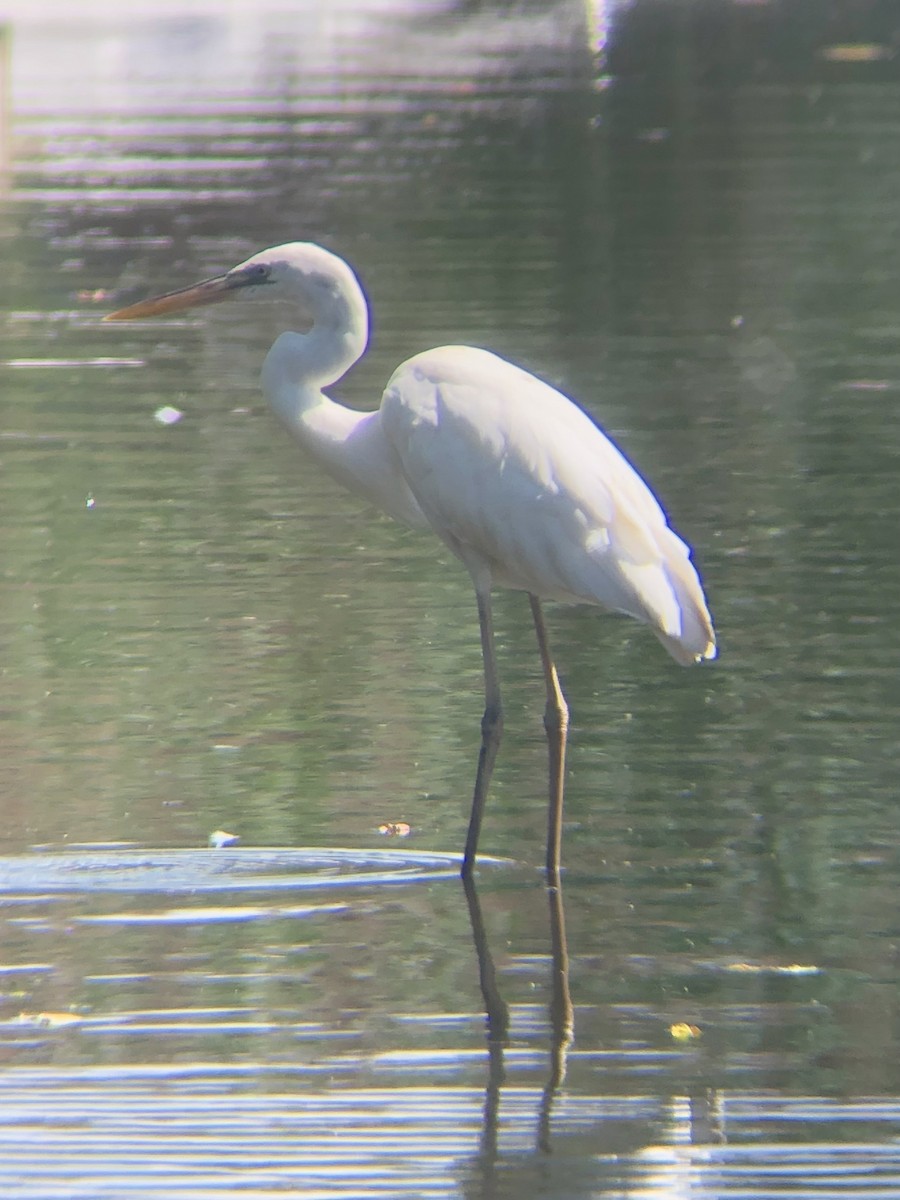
510	472
507	471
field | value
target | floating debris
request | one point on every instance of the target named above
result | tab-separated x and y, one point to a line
219	838
167	415
682	1032
857	52
395	829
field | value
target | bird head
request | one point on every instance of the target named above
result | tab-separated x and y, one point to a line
298	270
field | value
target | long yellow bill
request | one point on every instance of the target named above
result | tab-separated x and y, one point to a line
209	291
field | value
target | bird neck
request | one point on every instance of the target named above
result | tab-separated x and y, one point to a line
350	445
299	365
319	357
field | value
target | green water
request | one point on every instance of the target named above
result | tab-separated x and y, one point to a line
200	632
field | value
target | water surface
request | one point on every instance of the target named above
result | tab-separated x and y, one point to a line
200	632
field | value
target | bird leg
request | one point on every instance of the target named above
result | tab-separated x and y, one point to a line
491	725
556	723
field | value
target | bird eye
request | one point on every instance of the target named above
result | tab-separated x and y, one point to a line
249	275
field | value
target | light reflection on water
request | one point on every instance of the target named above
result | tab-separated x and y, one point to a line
199	631
241	1054
346	1142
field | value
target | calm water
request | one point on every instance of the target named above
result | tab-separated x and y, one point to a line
200	632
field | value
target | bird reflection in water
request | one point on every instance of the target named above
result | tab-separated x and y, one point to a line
653	1147
561	1015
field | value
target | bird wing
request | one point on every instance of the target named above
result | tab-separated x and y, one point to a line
510	472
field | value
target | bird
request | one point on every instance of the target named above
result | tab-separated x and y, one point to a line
513	476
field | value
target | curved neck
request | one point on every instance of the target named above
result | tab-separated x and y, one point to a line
313	360
299	365
350	445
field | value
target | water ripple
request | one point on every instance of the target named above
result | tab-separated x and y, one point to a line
216	871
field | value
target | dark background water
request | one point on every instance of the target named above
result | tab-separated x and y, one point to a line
684	215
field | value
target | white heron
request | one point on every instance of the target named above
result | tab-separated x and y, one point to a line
509	473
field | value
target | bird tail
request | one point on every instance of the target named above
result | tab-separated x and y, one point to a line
697	639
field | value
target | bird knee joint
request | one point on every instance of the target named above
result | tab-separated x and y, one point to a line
556	718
